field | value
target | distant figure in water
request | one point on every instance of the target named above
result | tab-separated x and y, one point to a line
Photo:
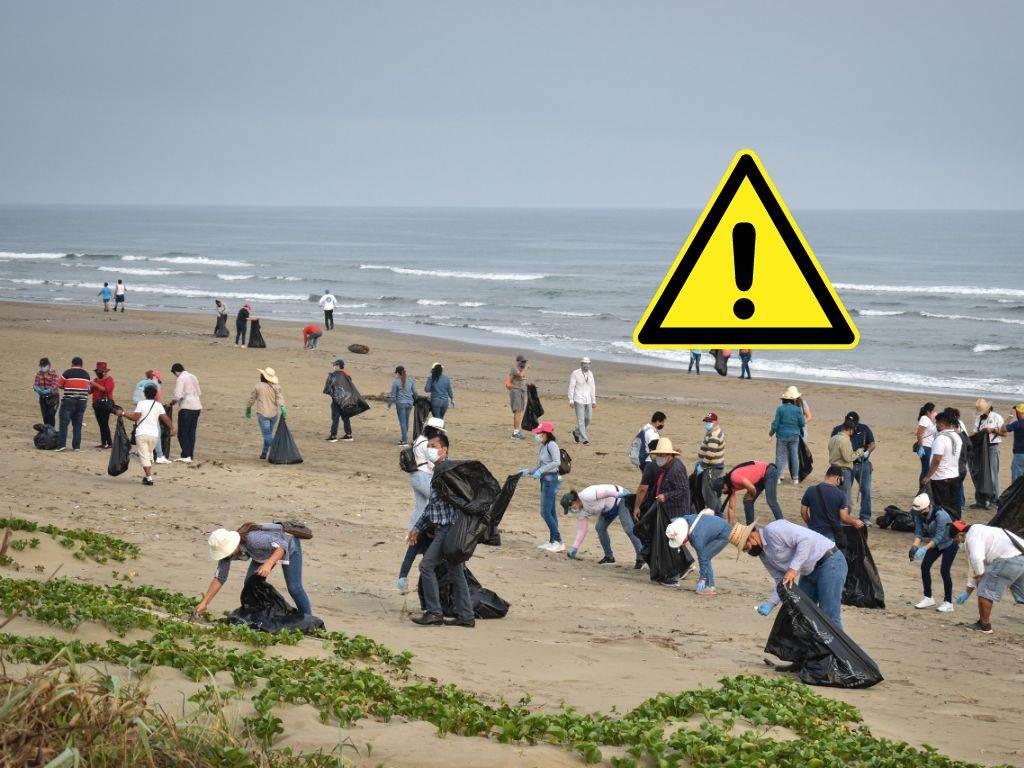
105	293
119	296
745	358
694	361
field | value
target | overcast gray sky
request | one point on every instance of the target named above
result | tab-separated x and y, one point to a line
878	105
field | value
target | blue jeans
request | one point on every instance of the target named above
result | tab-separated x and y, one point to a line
548	491
788	448
1016	467
744	366
710	537
824	586
267	428
861	474
771	495
428	578
582	420
948	555
926	462
292	577
72	410
420	482
624	517
419	548
48	408
438	408
403	420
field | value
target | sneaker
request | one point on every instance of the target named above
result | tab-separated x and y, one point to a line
468	623
576	435
348	437
403	585
586	442
263	455
639	564
556	547
926	602
332	439
608	559
62	448
707	592
163	460
429	620
946	607
544	545
985	629
147	481
571	553
979	505
518	436
184	459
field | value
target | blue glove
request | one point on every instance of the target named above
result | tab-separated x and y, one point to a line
920	451
919	554
524	472
765	608
700	468
536	475
622	494
962	598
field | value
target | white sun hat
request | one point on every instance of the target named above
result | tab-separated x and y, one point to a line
223	543
677	531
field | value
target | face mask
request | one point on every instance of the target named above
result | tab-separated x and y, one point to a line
755	550
585	368
44	368
661	461
538	438
708	426
432	455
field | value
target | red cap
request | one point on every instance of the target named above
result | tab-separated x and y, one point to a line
711	417
544	426
960	526
102	367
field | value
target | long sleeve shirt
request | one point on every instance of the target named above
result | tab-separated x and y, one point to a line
260	544
712	449
598	499
46	383
439	389
550	458
934	527
840	451
267	398
985	545
187	392
582	388
438	512
789	421
103	389
786	545
402	395
674	484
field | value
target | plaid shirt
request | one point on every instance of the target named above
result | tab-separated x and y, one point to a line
49	380
438	512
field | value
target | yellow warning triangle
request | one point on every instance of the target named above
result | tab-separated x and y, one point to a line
746	278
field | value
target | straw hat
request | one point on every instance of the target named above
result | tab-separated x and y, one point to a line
664	448
920	503
269	374
223	543
981	405
677	532
434	422
1019	408
585	360
791	393
738	536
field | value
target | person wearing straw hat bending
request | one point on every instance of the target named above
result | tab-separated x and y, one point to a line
582	399
269	403
708	534
672	487
789	551
264	545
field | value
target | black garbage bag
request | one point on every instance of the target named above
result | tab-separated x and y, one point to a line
165	432
420	413
508	489
821	653
534	410
664	562
696	492
863	588
264	608
896	519
46	437
467	485
721	362
486	603
806	460
255	336
465	533
283	449
347	397
221	329
981	473
1011	507
120	451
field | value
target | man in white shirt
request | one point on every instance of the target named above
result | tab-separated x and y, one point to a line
327	303
987	419
649	432
943	475
186	397
582	399
995	561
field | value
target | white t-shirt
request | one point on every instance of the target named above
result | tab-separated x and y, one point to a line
328	301
151	412
929	430
947	445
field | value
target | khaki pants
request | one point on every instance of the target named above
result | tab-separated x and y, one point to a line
146	445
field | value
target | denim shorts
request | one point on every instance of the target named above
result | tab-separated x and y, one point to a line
1004	572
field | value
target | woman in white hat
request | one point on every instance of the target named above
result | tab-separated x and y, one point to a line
932	542
424	456
269	404
264	545
708	534
787	429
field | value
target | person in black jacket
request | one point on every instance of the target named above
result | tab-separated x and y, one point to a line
672	488
242	324
335	379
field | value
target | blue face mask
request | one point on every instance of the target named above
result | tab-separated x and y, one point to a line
708	426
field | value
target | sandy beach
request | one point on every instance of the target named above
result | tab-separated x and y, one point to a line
595	637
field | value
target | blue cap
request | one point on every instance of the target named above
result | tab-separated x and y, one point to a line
340	363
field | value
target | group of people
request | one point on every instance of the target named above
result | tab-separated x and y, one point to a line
117	293
746	355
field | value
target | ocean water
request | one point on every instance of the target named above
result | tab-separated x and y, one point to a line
938	296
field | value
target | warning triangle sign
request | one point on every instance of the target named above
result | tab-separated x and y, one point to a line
746	278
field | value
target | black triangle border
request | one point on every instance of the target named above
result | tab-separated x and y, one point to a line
653	333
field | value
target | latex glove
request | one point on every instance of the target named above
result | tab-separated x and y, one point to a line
622	494
248	413
284	411
700	468
701	586
524	472
536	475
47	390
765	608
962	598
919	553
866	456
920	451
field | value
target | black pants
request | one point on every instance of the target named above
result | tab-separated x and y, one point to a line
946	494
948	555
48	407
335	416
240	326
188	421
102	415
72	411
329	319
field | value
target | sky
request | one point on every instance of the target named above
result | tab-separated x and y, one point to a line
528	104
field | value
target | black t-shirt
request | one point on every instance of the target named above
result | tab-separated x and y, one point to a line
824	508
243	315
862	436
650	474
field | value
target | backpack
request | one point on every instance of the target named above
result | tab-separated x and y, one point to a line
565	462
637	451
407	458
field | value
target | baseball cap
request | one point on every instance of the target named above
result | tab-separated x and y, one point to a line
710	417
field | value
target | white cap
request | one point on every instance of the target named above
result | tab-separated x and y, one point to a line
920	503
223	543
677	531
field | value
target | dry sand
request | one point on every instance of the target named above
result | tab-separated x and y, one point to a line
592	636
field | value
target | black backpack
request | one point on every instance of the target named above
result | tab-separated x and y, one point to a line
407	459
564	462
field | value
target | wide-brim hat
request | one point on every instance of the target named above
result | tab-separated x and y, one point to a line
920	503
101	367
434	422
738	536
791	393
269	374
981	405
664	448
545	427
223	543
677	532
585	360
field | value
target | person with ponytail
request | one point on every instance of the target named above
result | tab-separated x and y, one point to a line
403	397
926	432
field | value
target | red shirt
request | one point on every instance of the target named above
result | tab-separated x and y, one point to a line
103	389
754	472
310	329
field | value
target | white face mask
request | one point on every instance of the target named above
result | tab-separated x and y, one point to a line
661	461
433	454
538	438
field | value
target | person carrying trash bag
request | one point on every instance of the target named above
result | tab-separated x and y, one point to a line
264	545
789	551
932	542
346	401
708	534
148	415
268	400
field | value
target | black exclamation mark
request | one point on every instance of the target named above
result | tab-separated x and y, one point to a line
743	237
